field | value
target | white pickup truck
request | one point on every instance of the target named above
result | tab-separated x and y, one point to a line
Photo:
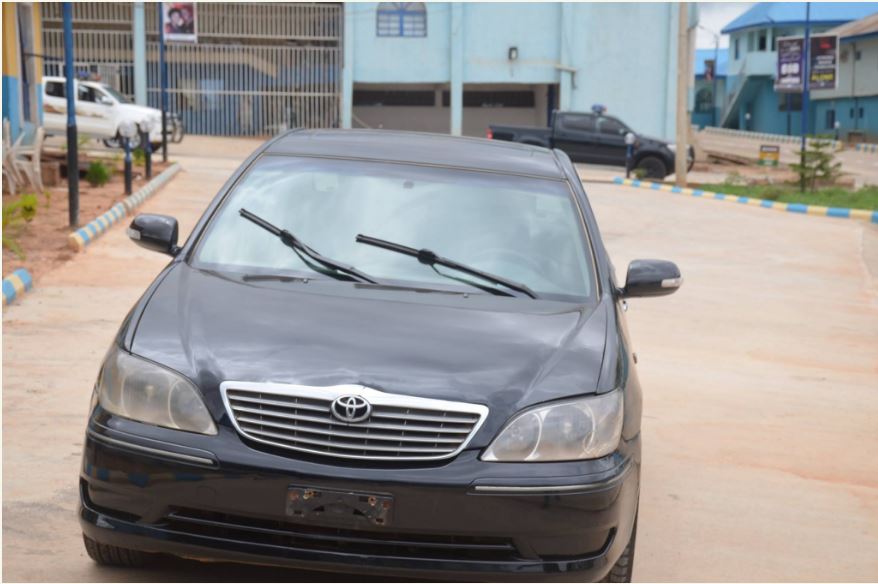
100	110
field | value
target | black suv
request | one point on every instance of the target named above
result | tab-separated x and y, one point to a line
599	139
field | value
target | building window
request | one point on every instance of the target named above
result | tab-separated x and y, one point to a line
704	101
830	119
401	19
380	97
763	40
737	48
793	99
495	99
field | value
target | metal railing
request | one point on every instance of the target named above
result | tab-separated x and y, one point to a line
259	84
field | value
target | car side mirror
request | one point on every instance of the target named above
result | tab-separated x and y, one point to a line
155	232
104	100
651	278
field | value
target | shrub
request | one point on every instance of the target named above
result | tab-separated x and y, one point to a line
98	174
14	214
138	156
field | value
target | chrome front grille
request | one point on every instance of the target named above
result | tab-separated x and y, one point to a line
399	427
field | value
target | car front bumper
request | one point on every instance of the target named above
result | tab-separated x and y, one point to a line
464	519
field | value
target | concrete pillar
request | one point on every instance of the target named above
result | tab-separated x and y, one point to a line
565	97
457	69
347	71
138	29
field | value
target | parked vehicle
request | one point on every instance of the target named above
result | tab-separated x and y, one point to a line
598	139
100	111
446	388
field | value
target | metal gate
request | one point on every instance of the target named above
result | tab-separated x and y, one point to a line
257	69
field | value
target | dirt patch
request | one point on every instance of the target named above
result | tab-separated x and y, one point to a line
44	239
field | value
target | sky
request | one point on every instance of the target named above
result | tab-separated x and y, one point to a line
715	15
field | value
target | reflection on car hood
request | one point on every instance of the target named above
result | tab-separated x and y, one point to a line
504	352
140	111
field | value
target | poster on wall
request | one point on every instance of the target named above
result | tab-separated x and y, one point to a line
823	72
790	64
180	21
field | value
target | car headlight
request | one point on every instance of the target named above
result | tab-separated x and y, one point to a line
578	429
134	388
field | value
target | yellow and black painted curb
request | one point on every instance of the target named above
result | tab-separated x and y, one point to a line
94	229
840	212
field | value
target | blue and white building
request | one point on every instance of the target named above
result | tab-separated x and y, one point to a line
458	67
853	104
751	101
258	68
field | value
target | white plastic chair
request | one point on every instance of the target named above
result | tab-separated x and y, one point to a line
11	179
27	159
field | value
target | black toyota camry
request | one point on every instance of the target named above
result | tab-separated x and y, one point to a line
378	352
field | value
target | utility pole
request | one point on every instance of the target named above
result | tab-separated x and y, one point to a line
806	82
163	76
682	141
72	141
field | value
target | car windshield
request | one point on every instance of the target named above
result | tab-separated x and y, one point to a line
118	96
527	230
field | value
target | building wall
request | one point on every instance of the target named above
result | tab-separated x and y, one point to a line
13	78
612	54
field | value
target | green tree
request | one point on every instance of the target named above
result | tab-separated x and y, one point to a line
817	164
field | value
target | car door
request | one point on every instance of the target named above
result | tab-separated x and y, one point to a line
94	117
54	106
611	139
576	135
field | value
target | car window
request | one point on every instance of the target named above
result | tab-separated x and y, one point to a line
610	126
56	89
523	229
584	122
119	97
86	93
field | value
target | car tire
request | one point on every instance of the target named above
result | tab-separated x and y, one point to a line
623	569
116	142
653	167
110	555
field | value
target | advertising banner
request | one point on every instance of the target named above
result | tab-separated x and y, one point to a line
790	64
180	21
823	72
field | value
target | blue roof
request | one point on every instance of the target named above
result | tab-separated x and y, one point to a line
702	55
766	14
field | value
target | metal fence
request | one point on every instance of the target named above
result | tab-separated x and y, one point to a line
257	69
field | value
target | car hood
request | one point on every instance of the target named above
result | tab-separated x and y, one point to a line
506	353
140	111
651	141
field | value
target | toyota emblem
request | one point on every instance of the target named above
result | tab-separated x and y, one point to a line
351	408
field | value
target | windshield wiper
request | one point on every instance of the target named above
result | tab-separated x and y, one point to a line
429	258
330	266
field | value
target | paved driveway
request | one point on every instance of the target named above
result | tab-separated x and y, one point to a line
760	376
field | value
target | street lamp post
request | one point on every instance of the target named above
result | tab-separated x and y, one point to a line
146	127
127	129
630	138
806	78
72	140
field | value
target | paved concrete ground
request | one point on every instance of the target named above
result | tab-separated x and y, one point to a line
863	167
760	377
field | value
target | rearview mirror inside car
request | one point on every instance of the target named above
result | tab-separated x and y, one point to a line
651	278
155	232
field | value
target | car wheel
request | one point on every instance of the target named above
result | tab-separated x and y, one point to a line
110	555
624	566
653	167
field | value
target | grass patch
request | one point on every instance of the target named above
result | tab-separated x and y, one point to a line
864	198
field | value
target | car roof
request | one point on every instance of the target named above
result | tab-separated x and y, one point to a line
421	148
